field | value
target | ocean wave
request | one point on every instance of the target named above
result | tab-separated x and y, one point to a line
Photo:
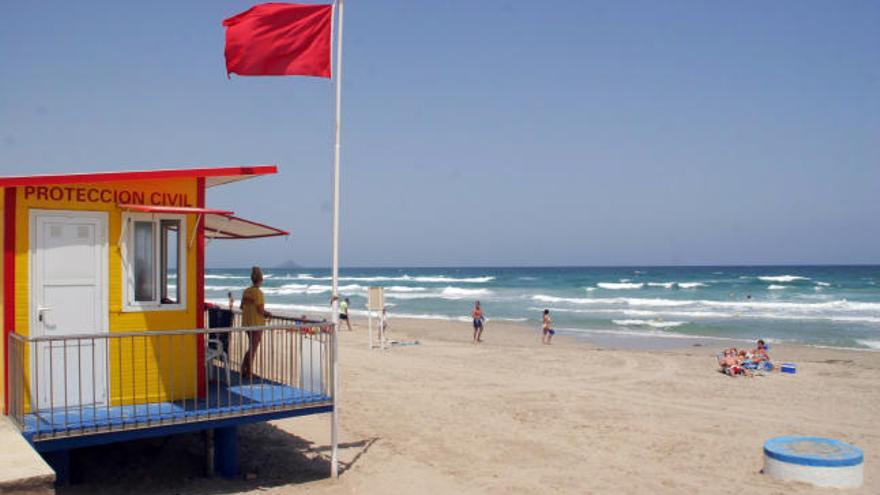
226	287
288	289
776	287
690	285
782	278
612	301
448	293
222	277
649	323
460	292
823	284
403	288
620	285
401	278
871	344
643	333
665	285
837	311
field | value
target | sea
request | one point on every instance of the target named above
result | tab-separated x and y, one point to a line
837	306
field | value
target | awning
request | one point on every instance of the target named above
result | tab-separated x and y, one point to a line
219	224
230	227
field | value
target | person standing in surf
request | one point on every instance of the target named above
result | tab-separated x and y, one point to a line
547	328
477	315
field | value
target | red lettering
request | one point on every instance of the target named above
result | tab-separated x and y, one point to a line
186	201
138	197
56	194
155	198
93	195
43	193
69	193
124	197
81	195
28	191
106	195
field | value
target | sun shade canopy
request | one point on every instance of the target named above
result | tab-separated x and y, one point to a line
230	227
219	224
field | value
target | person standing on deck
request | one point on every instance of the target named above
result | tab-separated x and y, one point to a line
343	313
477	315
253	314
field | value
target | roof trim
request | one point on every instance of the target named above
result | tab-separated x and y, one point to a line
176	209
40	180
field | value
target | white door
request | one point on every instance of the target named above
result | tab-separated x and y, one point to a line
69	298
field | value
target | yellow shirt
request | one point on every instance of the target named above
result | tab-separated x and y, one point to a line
252	298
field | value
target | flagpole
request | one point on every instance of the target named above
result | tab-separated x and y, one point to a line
334	417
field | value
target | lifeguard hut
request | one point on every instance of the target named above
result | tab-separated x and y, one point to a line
104	319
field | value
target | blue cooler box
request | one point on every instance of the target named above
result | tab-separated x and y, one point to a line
788	368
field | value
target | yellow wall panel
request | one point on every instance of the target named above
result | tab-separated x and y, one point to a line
140	368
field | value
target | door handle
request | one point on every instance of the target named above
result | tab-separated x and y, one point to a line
40	312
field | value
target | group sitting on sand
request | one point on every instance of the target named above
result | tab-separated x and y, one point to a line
735	362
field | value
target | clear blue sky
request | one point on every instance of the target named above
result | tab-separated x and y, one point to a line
485	132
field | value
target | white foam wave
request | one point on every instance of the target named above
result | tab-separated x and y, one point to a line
782	278
449	293
665	285
402	288
823	284
776	287
690	285
620	285
649	323
458	292
872	344
401	278
288	289
226	287
642	333
838	311
221	277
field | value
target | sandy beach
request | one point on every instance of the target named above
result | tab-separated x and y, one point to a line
514	416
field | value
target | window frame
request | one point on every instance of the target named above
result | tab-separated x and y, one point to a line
127	239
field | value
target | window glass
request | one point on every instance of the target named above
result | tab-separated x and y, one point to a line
169	267
144	262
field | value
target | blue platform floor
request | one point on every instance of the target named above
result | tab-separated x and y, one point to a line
221	401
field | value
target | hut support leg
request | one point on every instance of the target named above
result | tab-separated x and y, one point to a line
59	461
226	451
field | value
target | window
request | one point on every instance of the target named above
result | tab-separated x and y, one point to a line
155	253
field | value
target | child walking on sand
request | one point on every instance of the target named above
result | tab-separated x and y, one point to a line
477	315
547	328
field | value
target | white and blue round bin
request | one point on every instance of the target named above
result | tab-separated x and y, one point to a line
820	461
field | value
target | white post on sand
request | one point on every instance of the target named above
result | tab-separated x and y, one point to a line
334	416
370	327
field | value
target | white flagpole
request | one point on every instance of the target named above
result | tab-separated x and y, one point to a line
334	417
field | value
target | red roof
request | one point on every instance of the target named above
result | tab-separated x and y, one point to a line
214	176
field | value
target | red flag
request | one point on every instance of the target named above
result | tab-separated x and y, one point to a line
279	39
